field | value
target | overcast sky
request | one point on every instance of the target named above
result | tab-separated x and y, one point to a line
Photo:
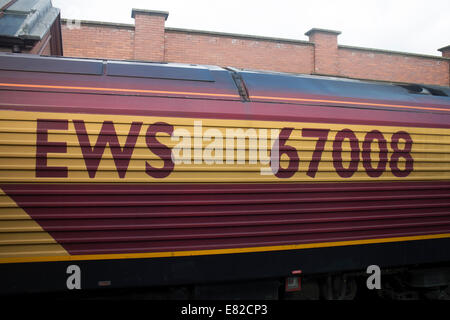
416	26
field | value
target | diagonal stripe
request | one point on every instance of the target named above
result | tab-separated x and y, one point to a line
21	236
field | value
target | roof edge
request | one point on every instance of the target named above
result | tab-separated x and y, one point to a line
419	55
100	23
238	35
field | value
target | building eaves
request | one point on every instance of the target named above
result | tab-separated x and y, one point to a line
27	19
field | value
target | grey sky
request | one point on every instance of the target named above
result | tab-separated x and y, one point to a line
415	26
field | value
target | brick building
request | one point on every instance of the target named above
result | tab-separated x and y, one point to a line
148	39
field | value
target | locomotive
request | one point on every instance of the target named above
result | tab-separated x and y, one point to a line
224	182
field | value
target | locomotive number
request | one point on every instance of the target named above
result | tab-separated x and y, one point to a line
356	153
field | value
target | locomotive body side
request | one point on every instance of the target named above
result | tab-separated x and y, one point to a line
146	175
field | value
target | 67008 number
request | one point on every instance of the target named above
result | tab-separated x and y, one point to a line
356	154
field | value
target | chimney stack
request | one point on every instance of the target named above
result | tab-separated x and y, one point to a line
325	50
149	39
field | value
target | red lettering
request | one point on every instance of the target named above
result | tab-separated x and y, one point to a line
322	134
337	153
401	153
161	150
43	147
290	151
367	160
93	155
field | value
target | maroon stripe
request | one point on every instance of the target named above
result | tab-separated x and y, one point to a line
217	109
201	244
121	218
18	189
241	199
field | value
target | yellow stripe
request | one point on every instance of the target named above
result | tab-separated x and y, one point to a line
219	251
430	151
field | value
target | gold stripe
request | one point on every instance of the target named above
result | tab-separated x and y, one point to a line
430	151
219	251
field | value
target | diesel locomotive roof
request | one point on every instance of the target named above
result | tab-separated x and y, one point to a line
258	83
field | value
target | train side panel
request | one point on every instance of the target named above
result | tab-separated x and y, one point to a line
160	181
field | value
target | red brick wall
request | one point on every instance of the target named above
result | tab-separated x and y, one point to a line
260	54
370	64
149	40
46	51
98	41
